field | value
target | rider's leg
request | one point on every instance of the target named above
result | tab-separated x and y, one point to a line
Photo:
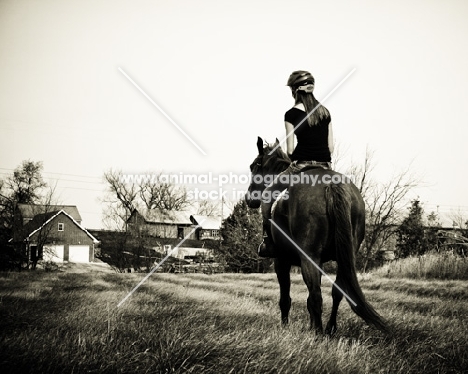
266	248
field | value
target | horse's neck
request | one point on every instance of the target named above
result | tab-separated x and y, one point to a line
279	166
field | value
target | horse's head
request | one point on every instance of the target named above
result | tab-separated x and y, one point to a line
271	161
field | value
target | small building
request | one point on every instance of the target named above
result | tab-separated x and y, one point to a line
54	235
161	224
208	226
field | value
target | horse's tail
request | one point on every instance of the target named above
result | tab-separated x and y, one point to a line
339	213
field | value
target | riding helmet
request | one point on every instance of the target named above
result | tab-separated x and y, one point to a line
300	76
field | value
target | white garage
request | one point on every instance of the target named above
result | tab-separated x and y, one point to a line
53	253
78	253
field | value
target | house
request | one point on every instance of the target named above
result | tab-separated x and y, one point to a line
55	234
161	224
208	227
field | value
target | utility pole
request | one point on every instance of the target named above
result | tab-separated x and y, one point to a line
222	207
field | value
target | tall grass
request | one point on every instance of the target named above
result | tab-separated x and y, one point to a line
223	323
429	266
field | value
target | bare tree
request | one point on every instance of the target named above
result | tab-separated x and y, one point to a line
459	219
208	208
156	193
124	197
362	174
43	211
120	201
339	155
384	202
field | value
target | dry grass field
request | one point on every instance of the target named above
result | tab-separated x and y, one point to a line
68	322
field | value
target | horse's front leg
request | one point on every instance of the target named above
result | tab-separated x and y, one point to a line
283	269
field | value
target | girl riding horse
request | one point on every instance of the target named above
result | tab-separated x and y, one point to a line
311	123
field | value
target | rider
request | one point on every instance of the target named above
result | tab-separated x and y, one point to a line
311	123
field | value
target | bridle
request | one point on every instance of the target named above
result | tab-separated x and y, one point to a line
257	167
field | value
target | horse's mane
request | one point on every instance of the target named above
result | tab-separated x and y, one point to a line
277	161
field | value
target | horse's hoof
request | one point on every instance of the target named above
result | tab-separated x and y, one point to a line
330	330
316	330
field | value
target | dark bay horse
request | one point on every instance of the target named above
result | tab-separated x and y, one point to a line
314	223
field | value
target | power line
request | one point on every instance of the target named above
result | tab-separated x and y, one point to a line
65	180
68	175
78	188
74	175
75	181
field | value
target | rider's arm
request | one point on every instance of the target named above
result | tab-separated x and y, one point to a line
331	144
290	138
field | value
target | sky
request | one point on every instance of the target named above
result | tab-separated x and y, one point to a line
211	77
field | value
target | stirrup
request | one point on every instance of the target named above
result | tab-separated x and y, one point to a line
266	250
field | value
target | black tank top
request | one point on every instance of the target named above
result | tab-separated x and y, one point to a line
312	141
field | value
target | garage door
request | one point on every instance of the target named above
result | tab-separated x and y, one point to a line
78	253
53	253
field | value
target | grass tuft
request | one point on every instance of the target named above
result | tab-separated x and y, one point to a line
429	266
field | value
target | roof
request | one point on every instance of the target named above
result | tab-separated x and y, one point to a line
46	218
169	217
29	211
37	222
206	222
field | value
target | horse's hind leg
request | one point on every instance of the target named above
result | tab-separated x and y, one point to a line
337	297
312	278
284	279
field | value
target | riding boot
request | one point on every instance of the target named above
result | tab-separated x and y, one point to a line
267	248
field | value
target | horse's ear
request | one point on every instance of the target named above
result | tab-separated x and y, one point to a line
260	145
277	142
